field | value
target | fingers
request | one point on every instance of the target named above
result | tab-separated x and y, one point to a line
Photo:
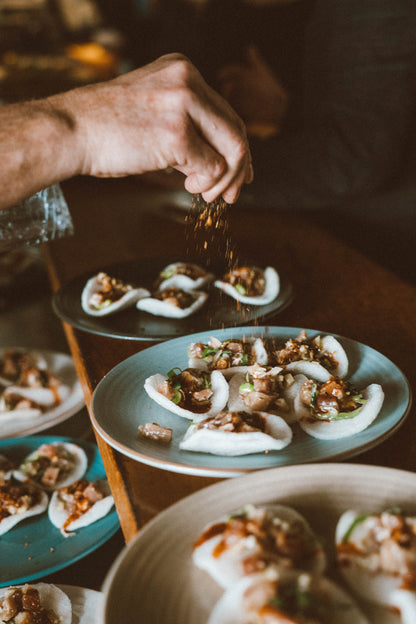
225	132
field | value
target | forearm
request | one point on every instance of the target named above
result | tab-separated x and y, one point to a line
38	147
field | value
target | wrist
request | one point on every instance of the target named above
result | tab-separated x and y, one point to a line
64	134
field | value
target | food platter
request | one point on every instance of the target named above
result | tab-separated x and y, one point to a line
132	324
34	547
120	405
61	365
157	562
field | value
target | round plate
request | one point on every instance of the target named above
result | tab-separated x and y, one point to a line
157	562
61	365
120	405
133	324
34	547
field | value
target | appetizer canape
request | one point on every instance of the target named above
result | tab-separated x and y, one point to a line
41	603
255	537
184	275
286	597
173	302
77	505
191	393
376	555
263	388
237	433
34	389
318	357
103	295
15	362
19	501
230	356
250	284
53	465
334	409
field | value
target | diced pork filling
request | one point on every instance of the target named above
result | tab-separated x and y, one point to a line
234	422
221	355
52	463
23	606
16	498
263	388
247	280
276	602
388	545
11	401
276	540
110	290
176	297
14	362
190	389
78	498
330	398
304	348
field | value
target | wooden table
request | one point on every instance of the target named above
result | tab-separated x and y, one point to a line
337	289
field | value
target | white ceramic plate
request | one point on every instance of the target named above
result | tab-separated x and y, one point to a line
154	580
61	365
120	405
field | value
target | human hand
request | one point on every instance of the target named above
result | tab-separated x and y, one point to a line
254	92
159	116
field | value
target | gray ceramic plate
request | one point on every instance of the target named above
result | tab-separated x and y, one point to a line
132	324
157	562
120	405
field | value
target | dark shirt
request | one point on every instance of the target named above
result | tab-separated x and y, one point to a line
355	108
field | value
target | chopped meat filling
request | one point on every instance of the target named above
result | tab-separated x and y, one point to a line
16	498
78	498
276	540
177	297
304	348
234	422
11	401
221	355
111	289
51	464
190	389
330	399
22	605
263	388
14	362
247	280
387	545
293	602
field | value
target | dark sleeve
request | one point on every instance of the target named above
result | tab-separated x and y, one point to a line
358	106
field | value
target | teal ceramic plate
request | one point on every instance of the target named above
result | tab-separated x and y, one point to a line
34	547
120	405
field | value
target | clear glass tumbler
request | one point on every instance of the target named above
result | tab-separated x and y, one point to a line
41	218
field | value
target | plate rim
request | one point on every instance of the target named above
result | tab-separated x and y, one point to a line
210	471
